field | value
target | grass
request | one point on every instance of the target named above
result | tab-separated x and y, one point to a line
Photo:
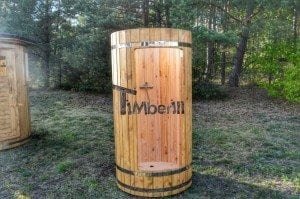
244	147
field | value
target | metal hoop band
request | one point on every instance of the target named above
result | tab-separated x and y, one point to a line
155	190
165	44
153	174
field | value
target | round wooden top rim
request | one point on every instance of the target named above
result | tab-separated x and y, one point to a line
135	29
16	40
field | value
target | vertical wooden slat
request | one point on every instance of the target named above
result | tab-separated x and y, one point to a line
26	97
158	181
121	65
11	66
139	68
131	99
116	104
155	35
185	37
189	106
144	36
166	36
20	77
13	79
150	98
179	122
176	121
134	37
114	70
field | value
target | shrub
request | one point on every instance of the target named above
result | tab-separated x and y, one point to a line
291	85
209	91
278	64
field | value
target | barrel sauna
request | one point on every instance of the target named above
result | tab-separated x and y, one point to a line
152	100
14	105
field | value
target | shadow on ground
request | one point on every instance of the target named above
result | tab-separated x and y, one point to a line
217	187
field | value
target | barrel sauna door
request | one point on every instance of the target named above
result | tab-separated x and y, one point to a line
8	105
159	106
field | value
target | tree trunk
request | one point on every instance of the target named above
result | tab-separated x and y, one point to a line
146	13
210	60
47	69
60	76
47	42
210	49
223	68
158	13
225	20
167	12
296	21
234	77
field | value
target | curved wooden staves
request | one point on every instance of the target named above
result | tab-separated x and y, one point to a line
152	98
14	104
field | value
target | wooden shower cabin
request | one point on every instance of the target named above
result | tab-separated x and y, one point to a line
152	98
14	105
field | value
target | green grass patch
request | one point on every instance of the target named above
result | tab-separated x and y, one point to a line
71	154
64	166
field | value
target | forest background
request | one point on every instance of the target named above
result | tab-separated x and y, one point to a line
235	42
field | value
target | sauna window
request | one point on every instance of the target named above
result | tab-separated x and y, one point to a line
158	75
2	66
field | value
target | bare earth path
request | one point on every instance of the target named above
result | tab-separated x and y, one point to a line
245	147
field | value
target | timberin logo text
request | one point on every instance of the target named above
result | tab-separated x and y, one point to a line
175	107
